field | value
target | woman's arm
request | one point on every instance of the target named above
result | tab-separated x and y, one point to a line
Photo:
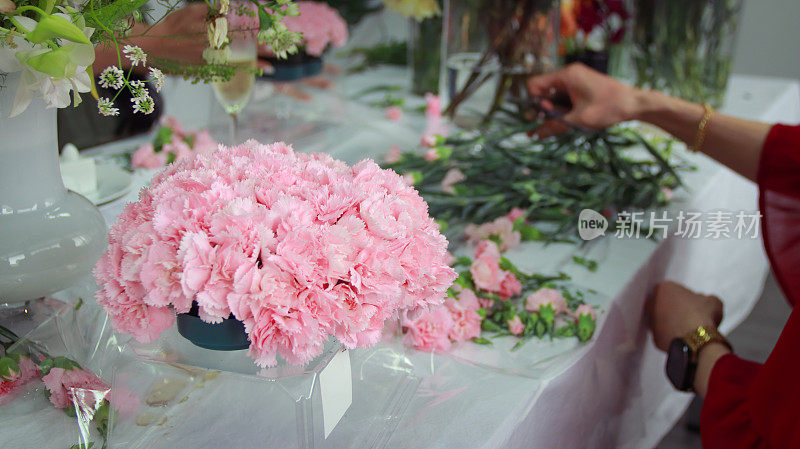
600	101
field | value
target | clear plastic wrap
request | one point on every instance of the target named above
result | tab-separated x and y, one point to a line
171	394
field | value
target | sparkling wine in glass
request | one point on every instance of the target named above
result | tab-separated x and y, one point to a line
235	93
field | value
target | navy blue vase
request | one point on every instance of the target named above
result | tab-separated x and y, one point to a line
294	67
229	335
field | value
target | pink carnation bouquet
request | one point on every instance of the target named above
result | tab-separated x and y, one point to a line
298	247
320	25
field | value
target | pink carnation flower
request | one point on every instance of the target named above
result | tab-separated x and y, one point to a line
515	325
466	321
451	178
393	155
146	157
299	247
12	388
76	386
320	25
430	331
546	296
515	214
585	309
394	113
510	286
485	269
502	228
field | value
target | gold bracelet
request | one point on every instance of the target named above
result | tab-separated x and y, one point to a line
701	129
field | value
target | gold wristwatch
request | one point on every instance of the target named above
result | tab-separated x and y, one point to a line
683	353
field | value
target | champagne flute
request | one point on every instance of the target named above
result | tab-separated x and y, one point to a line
234	94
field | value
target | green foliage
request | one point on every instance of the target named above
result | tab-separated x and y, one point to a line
552	179
590	264
9	368
109	17
391	53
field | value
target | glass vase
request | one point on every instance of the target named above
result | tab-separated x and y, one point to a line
49	236
490	48
425	54
685	47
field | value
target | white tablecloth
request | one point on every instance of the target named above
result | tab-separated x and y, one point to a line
613	392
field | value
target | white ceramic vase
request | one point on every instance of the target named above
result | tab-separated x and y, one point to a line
50	237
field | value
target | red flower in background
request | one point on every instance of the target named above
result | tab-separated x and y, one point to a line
589	14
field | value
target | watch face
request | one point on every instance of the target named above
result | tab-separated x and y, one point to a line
679	365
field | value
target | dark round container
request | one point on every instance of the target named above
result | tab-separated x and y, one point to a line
597	60
293	68
229	335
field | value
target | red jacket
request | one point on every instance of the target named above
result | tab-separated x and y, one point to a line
749	405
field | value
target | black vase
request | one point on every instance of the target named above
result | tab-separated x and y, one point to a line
294	67
597	60
229	335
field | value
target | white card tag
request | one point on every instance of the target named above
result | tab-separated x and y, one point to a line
336	387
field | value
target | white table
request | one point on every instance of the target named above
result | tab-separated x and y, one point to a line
612	392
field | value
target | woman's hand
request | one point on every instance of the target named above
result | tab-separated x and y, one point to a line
674	311
598	101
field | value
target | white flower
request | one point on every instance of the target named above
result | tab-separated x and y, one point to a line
143	104
217	55
157	76
218	32
292	10
106	107
54	90
281	40
138	89
224	6
112	77
135	54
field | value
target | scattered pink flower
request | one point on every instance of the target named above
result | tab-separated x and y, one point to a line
515	325
511	286
502	228
11	389
76	386
429	141
394	155
451	178
545	296
515	214
394	113
668	193
585	309
430	331
145	157
485	269
466	321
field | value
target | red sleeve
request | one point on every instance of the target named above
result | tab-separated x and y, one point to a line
749	405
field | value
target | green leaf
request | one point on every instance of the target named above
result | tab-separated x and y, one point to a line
463	261
490	326
163	137
99	18
9	368
586	327
590	264
481	341
566	331
171	157
56	27
530	234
